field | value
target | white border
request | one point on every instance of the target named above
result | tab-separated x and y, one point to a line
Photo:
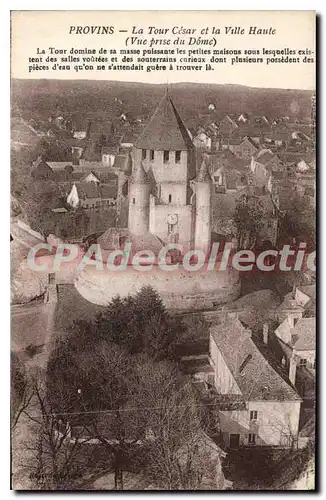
319	6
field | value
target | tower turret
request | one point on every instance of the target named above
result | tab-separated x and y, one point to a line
139	200
203	224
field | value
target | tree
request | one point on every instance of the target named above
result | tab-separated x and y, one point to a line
178	453
140	324
299	222
54	461
249	218
94	402
21	392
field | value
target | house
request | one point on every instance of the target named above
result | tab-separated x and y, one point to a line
202	140
79	134
262	165
300	301
41	170
297	346
278	135
244	117
227	126
128	139
300	136
261	407
299	337
228	171
243	148
92	195
91	177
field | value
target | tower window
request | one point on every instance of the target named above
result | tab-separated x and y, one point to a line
133	201
177	156
170	198
166	156
143	154
152	154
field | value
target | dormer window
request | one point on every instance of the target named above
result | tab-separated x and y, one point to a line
143	154
165	156
152	154
177	156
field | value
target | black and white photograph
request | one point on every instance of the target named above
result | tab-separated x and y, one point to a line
163	251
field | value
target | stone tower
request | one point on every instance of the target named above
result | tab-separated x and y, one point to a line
166	151
203	228
139	193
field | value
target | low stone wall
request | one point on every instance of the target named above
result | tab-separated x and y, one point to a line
180	290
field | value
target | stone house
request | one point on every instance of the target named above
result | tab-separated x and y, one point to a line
92	195
262	166
261	407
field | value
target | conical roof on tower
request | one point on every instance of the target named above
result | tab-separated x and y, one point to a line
139	175
165	130
203	174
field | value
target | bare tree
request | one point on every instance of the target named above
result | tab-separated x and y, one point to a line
55	461
179	453
21	392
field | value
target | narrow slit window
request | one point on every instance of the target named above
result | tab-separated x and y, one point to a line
144	154
170	198
252	439
177	156
152	154
133	201
166	156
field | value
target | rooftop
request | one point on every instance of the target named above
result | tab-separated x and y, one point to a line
304	334
255	377
165	130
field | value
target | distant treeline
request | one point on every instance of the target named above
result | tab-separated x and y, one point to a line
104	100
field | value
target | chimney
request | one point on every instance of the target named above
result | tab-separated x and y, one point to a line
292	369
265	333
290	320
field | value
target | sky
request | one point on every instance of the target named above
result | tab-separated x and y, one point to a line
295	30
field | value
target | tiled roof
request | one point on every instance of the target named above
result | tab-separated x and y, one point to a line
108	191
226	159
41	169
148	241
309	290
139	175
203	174
165	130
91	190
264	158
123	163
305	334
255	377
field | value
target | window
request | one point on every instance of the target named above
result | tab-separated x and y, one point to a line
143	154
303	362
170	198
152	154
51	278
253	415
133	201
177	156
165	156
252	438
